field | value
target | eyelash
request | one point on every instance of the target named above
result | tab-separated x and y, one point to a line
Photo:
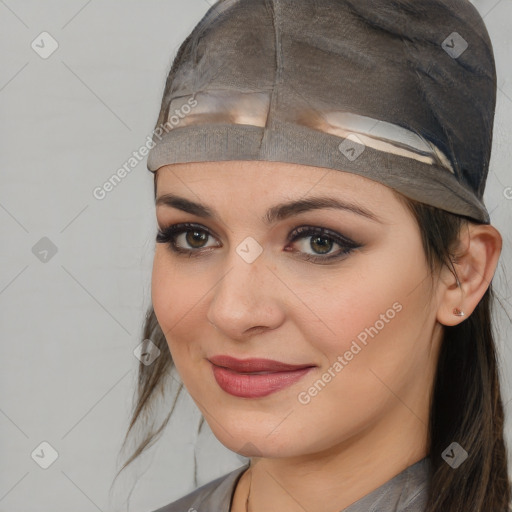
168	235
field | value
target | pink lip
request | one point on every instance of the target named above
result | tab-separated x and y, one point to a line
237	377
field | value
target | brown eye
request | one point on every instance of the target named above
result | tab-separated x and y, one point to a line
321	242
185	238
196	238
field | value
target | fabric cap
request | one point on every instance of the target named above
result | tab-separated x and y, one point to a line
401	92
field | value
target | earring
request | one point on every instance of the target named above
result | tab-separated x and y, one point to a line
458	312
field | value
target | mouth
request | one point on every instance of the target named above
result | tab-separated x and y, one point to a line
256	377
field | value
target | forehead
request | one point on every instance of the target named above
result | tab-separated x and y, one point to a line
264	174
262	184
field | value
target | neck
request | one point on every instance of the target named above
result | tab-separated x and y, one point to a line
336	478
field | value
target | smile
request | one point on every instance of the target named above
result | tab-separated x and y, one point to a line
255	378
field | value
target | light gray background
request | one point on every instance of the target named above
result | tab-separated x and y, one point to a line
69	325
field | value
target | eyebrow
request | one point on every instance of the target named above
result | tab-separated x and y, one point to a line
276	213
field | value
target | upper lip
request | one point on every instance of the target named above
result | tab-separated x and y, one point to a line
255	364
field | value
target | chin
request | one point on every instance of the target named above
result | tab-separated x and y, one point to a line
251	439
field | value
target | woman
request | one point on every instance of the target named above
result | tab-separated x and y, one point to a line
323	266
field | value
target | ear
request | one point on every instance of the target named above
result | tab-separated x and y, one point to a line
474	263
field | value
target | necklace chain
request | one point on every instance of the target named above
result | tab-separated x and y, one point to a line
248	494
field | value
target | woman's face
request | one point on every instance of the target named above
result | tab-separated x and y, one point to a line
257	279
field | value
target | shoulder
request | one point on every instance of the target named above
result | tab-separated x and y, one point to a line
405	492
215	496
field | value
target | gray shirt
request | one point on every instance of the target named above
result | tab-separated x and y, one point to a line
405	492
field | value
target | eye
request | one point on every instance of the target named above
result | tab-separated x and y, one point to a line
185	238
190	239
321	242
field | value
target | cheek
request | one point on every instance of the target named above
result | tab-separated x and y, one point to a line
374	349
378	308
163	281
169	294
177	296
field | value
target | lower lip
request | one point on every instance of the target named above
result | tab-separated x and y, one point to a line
255	386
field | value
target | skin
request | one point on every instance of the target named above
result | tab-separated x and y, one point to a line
370	421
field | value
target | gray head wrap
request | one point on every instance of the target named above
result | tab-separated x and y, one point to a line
402	92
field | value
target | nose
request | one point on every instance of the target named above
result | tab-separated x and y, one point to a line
246	300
